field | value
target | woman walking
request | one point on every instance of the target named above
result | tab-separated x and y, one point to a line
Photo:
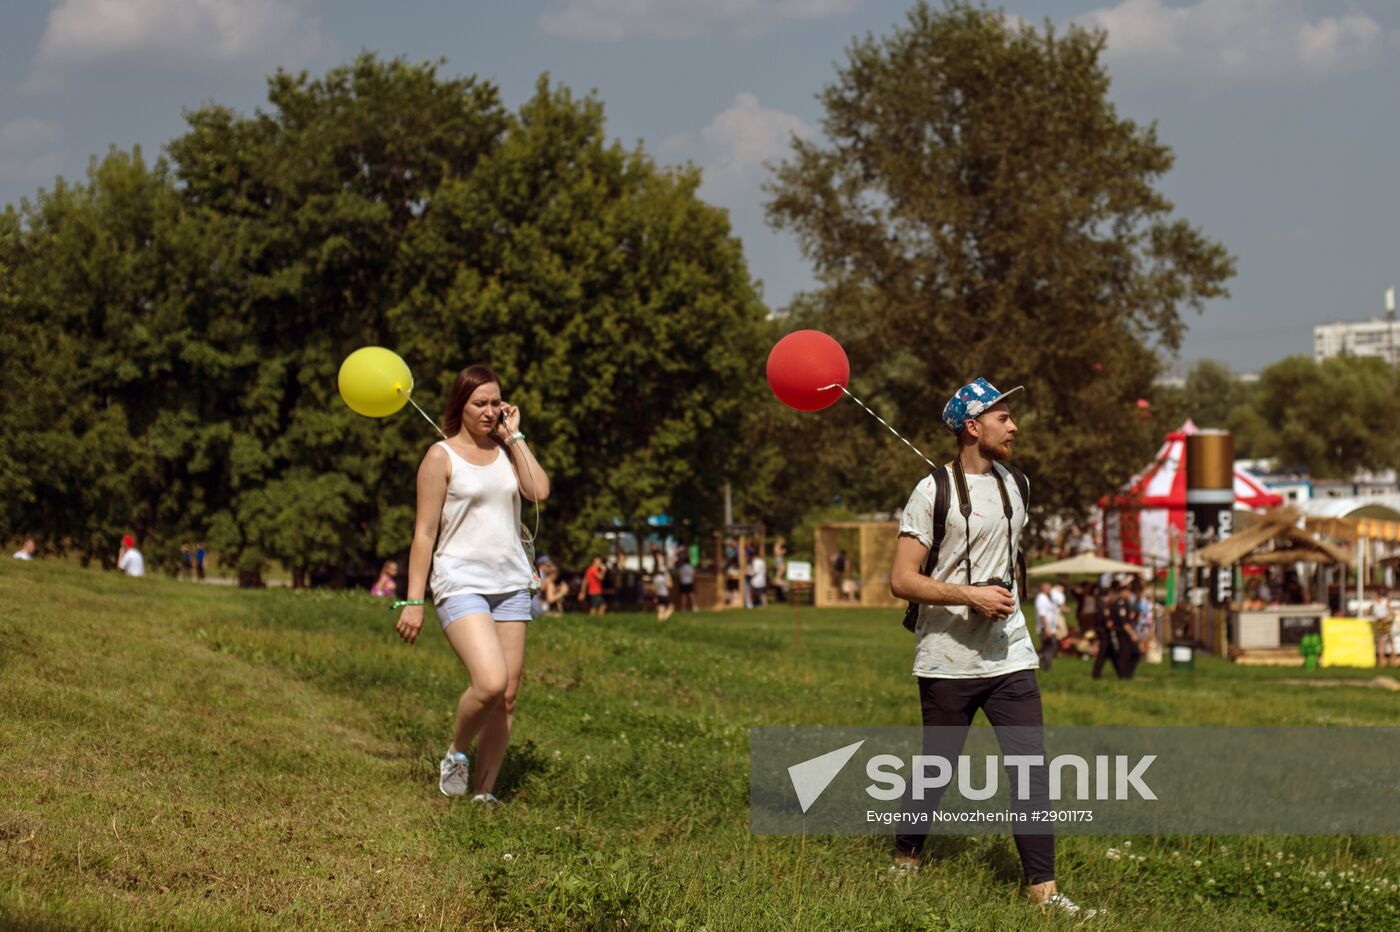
467	532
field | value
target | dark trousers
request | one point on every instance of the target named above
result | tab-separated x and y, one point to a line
1049	649
1129	656
1108	650
1118	648
1009	702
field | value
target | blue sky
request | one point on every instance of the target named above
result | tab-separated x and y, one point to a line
1284	114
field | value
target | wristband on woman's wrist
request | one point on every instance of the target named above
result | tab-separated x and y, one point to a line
515	438
401	603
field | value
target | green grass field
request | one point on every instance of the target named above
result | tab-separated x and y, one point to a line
181	756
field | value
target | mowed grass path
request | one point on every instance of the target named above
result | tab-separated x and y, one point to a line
181	756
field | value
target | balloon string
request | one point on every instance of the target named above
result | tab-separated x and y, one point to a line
422	412
877	417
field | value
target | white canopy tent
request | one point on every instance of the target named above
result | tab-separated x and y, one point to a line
1088	564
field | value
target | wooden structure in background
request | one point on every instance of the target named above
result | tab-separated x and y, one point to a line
872	561
1270	635
744	536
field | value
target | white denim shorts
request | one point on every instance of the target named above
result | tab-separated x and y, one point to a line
507	606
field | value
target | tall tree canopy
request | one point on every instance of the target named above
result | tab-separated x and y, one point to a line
186	322
978	207
1331	418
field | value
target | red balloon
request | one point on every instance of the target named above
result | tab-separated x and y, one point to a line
805	369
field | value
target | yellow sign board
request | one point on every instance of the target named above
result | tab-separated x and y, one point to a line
1348	642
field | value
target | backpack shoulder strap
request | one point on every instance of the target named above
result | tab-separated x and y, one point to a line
940	526
1022	485
940	518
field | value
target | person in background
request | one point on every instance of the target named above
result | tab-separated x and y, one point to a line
186	561
385	586
199	554
129	559
554	589
661	591
1088	613
1146	617
839	565
26	550
731	581
685	579
1106	634
1394	633
1382	617
592	588
780	570
758	579
1047	622
1118	633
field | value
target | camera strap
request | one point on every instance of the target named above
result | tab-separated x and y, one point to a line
965	506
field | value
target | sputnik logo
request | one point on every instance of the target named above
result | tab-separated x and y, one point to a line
811	777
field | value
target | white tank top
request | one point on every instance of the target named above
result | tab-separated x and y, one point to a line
478	547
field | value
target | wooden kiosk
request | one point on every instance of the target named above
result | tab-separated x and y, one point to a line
1270	635
872	561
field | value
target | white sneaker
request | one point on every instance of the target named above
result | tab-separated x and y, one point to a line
1060	903
452	773
487	800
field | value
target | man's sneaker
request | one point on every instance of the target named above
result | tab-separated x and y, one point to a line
1060	903
905	865
452	773
487	800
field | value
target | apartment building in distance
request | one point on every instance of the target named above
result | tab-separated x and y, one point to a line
1375	337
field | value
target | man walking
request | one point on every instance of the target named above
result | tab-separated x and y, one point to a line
1119	629
973	649
592	588
1107	635
685	580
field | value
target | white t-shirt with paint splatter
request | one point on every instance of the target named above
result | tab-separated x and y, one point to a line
951	644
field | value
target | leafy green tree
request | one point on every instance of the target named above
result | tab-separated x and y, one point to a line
197	313
978	207
1214	396
1331	419
102	351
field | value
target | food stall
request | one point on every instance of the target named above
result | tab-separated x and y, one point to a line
1270	631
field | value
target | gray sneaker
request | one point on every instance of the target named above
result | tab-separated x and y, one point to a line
487	800
452	773
1059	903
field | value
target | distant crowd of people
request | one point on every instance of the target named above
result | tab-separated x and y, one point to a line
132	562
663	581
1115	624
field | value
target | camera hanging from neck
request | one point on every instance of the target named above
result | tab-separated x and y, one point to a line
965	506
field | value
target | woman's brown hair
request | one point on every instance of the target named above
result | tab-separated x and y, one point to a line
468	381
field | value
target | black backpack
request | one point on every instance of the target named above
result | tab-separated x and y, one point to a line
941	496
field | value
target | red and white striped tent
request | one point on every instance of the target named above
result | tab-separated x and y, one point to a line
1147	517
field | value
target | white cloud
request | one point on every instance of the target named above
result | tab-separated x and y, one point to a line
28	151
615	20
734	146
1239	38
172	34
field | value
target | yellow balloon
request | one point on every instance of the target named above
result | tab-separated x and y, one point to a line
375	382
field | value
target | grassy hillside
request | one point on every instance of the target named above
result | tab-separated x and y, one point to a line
184	756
